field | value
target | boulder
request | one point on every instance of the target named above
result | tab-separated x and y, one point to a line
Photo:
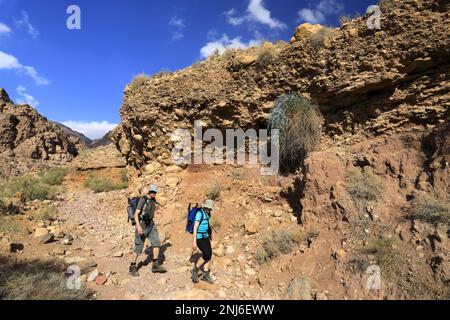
305	32
93	275
299	289
48	238
251	227
40	232
172	182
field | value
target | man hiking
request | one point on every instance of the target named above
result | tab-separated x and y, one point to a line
202	242
146	229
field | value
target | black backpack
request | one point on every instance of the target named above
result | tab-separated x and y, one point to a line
131	210
132	207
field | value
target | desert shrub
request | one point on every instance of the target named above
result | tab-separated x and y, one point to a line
265	57
430	210
32	188
3	206
317	40
238	175
281	242
364	186
47	213
8	209
10	225
99	185
213	191
54	176
124	176
386	257
299	122
34	281
139	80
359	264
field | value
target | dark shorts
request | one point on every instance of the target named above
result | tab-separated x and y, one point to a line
150	233
204	246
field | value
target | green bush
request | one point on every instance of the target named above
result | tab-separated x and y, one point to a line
364	186
99	185
54	176
299	122
430	210
32	188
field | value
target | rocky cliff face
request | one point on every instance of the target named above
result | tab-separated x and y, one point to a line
28	141
366	83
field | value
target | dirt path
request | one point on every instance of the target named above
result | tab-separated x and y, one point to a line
102	235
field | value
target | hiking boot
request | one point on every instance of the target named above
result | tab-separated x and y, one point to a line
207	278
133	271
158	268
195	275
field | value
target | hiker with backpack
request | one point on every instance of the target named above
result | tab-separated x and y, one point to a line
144	210
199	226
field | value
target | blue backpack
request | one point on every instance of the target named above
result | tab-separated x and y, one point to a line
192	212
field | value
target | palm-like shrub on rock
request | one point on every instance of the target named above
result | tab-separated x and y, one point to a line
299	122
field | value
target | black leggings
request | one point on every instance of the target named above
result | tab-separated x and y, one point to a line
205	247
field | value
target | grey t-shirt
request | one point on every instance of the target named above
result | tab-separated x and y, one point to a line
147	211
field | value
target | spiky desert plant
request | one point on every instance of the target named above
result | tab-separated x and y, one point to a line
299	122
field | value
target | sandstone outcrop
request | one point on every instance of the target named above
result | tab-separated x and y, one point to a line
366	83
28	141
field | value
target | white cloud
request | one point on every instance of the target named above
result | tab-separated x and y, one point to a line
24	22
4	29
319	14
179	25
224	43
92	130
31	72
256	12
10	62
25	98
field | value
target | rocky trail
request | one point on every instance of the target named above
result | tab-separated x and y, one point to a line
103	241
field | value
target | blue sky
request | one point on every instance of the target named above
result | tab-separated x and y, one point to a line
77	76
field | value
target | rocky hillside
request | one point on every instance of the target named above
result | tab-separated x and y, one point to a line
28	141
366	83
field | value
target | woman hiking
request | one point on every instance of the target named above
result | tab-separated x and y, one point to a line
202	242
